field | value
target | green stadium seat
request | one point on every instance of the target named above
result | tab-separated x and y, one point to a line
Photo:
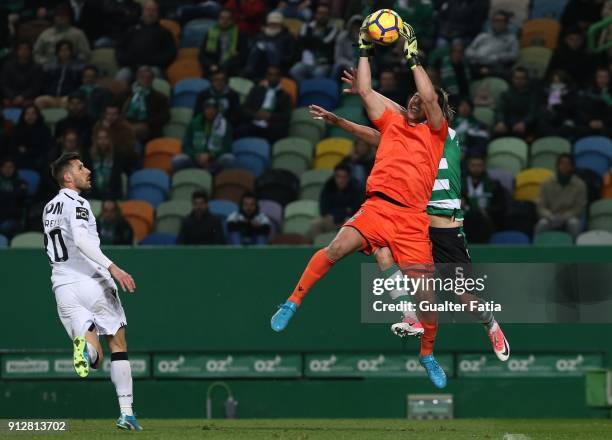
322	240
594	238
553	238
535	60
600	215
495	86
485	115
52	116
170	214
162	86
293	154
28	240
181	115
185	182
350	100
106	62
544	151
304	126
299	216
311	183
96	206
241	85
175	131
507	153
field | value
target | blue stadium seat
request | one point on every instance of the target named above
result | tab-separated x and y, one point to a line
321	91
158	239
186	91
509	237
32	178
547	8
597	144
252	145
195	31
594	161
151	185
12	114
222	208
3	241
250	162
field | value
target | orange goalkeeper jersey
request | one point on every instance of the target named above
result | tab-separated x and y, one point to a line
407	160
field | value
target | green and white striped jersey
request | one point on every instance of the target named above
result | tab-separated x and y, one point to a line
446	194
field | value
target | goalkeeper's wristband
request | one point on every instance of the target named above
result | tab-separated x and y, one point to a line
365	53
414	61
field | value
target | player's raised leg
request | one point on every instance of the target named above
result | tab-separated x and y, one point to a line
347	241
87	352
121	376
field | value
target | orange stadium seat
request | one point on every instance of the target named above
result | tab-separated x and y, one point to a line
606	190
231	184
140	216
159	153
184	68
188	53
174	28
540	32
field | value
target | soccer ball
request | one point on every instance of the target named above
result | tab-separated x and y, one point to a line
384	26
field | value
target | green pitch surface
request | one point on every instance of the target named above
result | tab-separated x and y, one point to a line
357	429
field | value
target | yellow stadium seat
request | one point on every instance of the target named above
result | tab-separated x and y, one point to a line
329	152
528	183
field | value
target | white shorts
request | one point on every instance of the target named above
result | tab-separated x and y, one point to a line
88	302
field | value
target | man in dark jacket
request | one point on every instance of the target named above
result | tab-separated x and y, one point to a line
572	57
267	110
22	79
200	227
248	225
77	119
12	196
227	100
461	18
517	108
112	227
224	45
147	43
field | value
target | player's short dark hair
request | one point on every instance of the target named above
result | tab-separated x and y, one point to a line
565	156
59	166
447	110
199	195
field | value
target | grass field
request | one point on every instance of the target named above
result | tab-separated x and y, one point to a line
336	429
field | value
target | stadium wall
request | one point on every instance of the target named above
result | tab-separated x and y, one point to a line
217	301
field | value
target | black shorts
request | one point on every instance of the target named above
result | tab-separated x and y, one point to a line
449	246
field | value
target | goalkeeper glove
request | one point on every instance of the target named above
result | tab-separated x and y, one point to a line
411	50
365	43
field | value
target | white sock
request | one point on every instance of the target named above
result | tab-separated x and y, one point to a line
93	355
121	376
401	295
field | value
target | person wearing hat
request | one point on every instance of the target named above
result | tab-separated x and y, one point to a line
274	45
224	45
44	48
207	141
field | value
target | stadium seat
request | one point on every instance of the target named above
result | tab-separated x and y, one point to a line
96	207
12	114
594	238
509	237
282	186
52	116
175	131
495	86
150	185
594	153
544	151
528	183
593	161
540	32
169	215
353	114
158	239
105	60
593	182
183	69
159	153
293	154
600	215
293	25
222	208
186	182
195	31
553	238
518	8
232	184
188	12
252	163
174	28
329	152
485	115
324	239
547	8
289	86
117	87
521	216
28	240
162	86
299	216
304	126
319	91
181	115
289	239
507	153
32	178
535	60
311	183
3	241
252	154
505	178
350	100
140	215
241	85
274	211
606	190
188	53
185	92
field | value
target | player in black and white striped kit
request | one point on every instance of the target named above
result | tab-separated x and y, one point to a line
82	276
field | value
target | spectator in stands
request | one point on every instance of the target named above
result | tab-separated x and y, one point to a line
96	97
147	43
340	198
22	79
77	119
46	45
62	77
273	46
572	57
472	134
31	140
267	109
68	142
454	72
13	192
558	117
562	200
87	15
461	18
484	201
345	54
223	45
387	86
316	46
227	100
248	14
421	17
495	51
121	134
581	13
593	115
200	227
146	109
113	229
248	225
517	108
299	9
207	141
106	168
360	160
116	16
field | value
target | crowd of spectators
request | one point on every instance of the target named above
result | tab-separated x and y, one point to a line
46	63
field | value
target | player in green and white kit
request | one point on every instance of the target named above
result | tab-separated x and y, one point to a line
446	224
